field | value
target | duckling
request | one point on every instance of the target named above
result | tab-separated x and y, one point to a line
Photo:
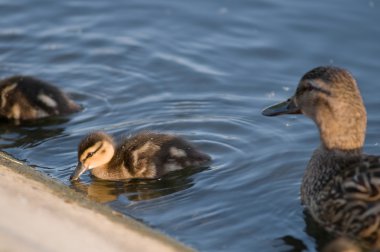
26	98
145	155
341	185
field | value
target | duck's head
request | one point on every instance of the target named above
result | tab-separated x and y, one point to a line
331	98
95	150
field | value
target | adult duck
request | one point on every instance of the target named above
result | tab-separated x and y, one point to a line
341	185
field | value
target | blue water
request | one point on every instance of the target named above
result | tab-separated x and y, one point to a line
204	70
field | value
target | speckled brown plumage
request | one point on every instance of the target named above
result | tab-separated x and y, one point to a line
27	98
145	155
341	185
341	191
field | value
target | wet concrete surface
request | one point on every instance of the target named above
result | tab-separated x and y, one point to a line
40	214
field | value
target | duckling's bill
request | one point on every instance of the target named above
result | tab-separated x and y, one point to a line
79	170
285	107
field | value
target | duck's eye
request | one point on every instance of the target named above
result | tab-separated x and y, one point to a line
90	154
309	88
303	89
315	86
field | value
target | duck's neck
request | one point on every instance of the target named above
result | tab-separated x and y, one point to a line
345	134
339	153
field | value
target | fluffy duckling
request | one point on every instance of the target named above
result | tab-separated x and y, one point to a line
146	155
341	185
26	98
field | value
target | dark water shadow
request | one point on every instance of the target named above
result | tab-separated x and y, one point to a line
322	238
104	191
29	133
290	243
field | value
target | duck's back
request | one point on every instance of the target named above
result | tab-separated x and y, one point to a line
151	155
24	98
346	200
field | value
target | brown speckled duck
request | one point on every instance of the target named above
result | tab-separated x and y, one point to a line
341	185
145	155
26	98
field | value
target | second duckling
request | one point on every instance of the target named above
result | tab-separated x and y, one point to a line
26	98
146	155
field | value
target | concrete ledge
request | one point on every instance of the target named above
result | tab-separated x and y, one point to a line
40	214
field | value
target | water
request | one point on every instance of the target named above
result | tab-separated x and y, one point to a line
203	70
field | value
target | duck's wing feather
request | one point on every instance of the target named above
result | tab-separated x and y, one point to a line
350	204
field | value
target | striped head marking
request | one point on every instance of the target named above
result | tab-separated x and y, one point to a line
95	150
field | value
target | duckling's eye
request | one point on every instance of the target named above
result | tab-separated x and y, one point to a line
90	154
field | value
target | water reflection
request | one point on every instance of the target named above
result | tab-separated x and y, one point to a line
327	242
289	243
322	238
136	189
313	229
30	133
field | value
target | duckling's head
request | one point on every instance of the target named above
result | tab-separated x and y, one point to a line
95	150
331	98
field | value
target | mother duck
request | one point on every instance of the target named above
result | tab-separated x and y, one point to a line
341	185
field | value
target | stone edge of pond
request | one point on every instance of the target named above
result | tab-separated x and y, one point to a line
64	192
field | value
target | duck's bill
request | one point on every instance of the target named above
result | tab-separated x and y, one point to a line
286	107
79	170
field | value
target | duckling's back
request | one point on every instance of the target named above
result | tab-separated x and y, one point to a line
26	98
151	155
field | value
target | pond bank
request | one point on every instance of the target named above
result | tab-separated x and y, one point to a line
39	214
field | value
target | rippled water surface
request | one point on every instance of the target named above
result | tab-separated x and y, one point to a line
204	70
